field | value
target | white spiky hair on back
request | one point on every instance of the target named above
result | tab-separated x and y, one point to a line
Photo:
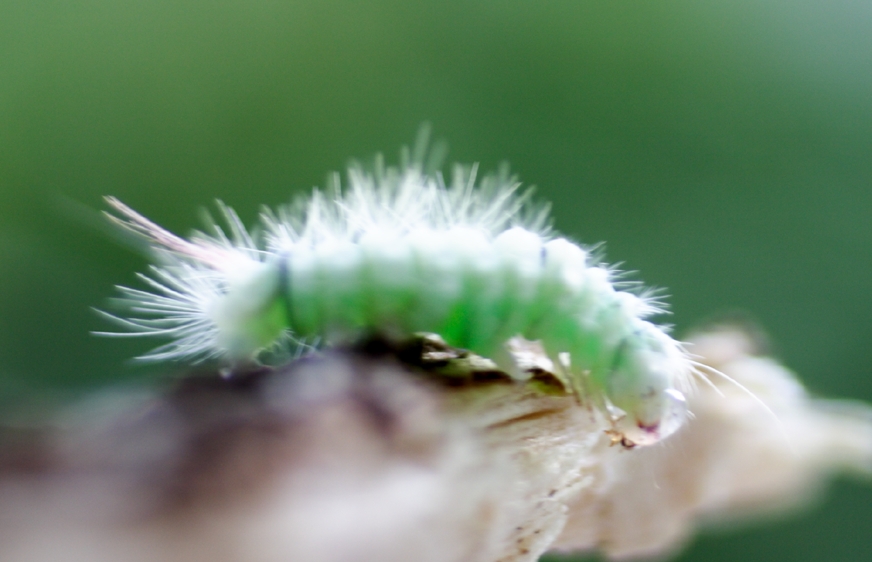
400	199
192	274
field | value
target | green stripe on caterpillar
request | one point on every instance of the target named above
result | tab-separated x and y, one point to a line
400	252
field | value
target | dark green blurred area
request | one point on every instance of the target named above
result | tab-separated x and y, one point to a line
723	149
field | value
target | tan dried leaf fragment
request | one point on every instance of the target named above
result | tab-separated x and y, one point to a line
358	456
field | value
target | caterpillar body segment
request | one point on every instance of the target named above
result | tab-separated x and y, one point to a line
402	253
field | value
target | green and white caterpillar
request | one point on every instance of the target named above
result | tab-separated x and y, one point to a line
399	252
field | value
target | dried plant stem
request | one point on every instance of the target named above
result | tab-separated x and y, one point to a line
358	455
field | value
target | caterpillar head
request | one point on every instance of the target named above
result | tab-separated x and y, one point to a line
649	369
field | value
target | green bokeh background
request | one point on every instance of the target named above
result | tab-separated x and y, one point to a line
723	149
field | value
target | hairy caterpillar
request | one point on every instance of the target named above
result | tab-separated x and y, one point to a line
399	252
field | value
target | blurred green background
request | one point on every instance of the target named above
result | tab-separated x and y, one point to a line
723	149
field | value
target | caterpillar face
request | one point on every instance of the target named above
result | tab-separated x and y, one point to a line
398	253
643	385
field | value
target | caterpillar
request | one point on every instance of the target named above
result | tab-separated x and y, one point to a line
400	251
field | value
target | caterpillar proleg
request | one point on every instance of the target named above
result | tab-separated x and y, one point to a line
401	251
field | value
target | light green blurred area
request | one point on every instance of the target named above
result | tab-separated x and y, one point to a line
722	149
